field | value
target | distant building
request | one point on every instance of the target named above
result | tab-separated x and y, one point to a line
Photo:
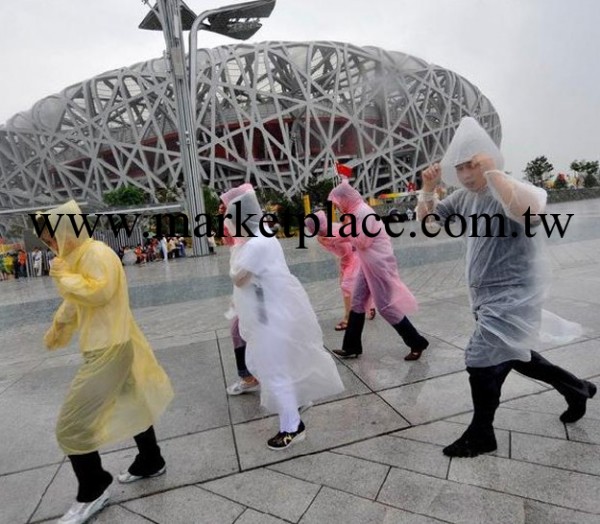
273	113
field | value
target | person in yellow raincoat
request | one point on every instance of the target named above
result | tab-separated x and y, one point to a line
120	390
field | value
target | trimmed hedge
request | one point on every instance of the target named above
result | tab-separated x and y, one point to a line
569	195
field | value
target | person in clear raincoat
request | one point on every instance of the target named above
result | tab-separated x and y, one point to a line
120	390
342	249
506	278
378	278
283	337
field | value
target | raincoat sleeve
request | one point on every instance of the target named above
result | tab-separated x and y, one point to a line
96	281
248	260
63	326
516	197
436	212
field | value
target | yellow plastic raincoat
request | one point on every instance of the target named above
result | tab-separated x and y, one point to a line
121	389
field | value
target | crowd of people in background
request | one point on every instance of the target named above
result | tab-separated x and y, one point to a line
154	249
18	263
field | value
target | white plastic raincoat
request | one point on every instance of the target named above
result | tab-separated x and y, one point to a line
284	340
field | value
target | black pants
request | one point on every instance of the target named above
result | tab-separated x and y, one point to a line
486	387
93	479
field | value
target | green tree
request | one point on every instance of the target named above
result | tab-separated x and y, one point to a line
318	191
586	167
125	196
588	170
211	205
590	180
536	169
286	209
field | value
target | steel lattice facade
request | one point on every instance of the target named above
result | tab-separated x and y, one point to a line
274	114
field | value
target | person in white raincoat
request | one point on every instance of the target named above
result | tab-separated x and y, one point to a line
283	337
120	390
506	279
246	383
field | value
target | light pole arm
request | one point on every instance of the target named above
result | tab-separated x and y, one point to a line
192	54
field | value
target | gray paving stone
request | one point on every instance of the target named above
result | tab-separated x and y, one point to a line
10	373
554	486
539	513
452	323
335	506
195	373
190	459
328	425
251	516
186	505
382	364
553	403
267	491
449	501
346	473
574	456
442	433
401	453
585	430
32	406
525	422
21	492
118	514
581	358
445	396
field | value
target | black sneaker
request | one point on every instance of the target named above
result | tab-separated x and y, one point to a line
284	440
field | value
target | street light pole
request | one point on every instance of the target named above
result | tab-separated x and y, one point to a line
239	21
170	17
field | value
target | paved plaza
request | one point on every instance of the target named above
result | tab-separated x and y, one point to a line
372	455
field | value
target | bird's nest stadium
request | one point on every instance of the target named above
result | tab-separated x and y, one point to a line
273	113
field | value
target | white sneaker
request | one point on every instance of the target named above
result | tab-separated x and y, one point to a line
241	386
81	512
128	478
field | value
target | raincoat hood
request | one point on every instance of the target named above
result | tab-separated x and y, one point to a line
236	192
66	237
470	139
244	205
345	197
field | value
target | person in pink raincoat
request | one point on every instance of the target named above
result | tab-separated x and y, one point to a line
377	277
342	249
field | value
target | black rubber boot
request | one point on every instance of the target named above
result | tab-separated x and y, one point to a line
352	345
149	459
92	478
412	338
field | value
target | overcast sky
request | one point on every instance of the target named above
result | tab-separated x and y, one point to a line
536	60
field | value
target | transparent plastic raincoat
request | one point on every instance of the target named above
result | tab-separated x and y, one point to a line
284	340
378	265
120	390
340	247
506	271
